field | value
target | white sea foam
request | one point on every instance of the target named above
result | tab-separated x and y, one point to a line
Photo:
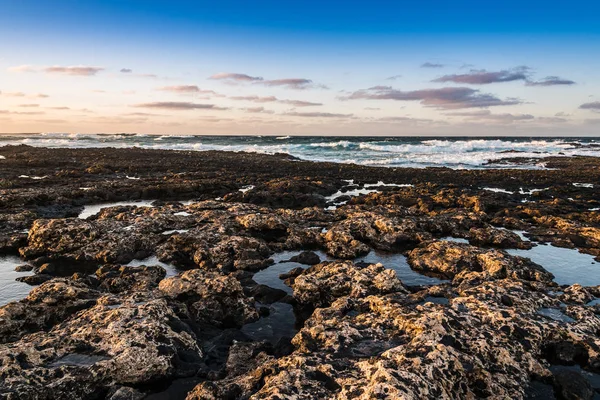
584	185
246	188
381	183
339	143
389	152
498	190
175	231
94	209
531	191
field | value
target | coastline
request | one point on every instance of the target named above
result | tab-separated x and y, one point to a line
493	324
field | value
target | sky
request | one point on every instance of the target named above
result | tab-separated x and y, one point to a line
301	67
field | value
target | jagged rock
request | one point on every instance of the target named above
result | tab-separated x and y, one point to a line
132	344
307	258
294	272
571	385
578	294
223	253
244	368
211	297
501	238
265	294
125	393
116	278
34	280
341	244
321	284
461	261
24	268
269	226
45	306
87	241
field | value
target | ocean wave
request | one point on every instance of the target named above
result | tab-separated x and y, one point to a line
340	143
388	152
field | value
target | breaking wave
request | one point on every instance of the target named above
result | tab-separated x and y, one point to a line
375	151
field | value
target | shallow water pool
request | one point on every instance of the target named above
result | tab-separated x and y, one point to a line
10	289
398	263
153	260
569	266
93	209
270	276
280	323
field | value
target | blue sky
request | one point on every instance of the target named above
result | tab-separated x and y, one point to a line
267	67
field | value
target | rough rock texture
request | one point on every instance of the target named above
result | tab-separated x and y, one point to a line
319	285
212	298
388	346
95	328
465	262
90	241
98	348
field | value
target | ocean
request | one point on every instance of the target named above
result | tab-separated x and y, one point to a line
419	152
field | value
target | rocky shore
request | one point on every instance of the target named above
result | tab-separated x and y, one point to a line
165	301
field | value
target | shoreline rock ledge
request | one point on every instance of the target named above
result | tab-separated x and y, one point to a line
273	292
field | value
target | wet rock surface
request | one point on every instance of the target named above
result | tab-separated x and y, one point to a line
194	323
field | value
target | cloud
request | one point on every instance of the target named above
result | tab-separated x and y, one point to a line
431	65
372	108
13	94
444	98
74	71
551	81
293	83
483	77
22	112
290	83
51	121
129	72
393	78
29	105
258	110
22	68
142	114
300	103
180	89
404	120
255	99
183	89
594	106
179	105
270	99
552	120
235	77
58	108
21	94
317	115
487	115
